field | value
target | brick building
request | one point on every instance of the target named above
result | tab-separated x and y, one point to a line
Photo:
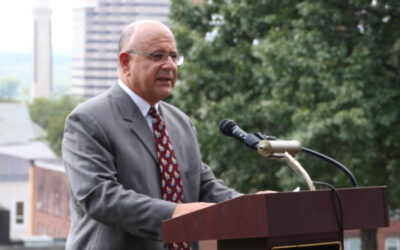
49	200
388	238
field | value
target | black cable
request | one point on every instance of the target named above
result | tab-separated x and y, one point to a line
333	162
339	200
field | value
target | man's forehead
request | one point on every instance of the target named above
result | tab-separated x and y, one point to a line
154	35
153	29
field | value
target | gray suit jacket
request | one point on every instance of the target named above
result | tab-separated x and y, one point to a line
111	164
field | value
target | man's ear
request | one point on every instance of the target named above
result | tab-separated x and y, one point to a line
124	61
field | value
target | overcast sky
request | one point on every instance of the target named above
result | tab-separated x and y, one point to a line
16	25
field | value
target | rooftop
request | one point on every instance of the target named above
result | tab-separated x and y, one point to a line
16	125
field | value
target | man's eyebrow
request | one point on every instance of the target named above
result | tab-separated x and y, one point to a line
163	51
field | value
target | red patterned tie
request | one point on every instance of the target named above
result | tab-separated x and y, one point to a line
170	175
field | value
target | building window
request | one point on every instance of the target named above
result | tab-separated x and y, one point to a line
47	202
352	244
392	244
58	205
19	213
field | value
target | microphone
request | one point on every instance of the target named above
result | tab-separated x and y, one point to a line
230	128
267	146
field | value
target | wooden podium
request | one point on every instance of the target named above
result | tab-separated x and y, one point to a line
301	220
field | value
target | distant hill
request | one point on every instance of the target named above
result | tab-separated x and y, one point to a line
19	66
16	65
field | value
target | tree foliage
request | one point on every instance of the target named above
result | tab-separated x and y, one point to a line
9	88
323	72
50	114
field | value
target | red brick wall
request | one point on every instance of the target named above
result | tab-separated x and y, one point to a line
385	232
50	203
382	233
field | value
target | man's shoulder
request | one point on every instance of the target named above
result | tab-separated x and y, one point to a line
95	106
97	102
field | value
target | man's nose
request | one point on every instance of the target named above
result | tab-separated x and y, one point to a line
169	62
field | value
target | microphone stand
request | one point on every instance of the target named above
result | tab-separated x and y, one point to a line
317	155
264	149
297	166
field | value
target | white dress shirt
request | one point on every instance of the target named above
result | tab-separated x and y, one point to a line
143	106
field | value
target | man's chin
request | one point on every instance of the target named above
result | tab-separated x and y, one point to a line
164	93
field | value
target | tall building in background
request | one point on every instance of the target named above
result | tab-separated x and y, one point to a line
42	56
97	27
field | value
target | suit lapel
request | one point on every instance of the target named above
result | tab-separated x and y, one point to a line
131	114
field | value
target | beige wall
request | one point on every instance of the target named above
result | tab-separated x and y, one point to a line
10	193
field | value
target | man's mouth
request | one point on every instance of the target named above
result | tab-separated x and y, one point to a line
165	76
164	79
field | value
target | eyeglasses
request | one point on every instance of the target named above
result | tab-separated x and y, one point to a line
161	57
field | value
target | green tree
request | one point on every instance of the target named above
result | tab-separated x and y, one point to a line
50	114
9	88
323	72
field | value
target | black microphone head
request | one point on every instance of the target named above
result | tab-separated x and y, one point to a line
226	127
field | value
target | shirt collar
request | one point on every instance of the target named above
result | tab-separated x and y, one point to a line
143	106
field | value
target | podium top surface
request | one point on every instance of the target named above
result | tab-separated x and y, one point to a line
282	214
